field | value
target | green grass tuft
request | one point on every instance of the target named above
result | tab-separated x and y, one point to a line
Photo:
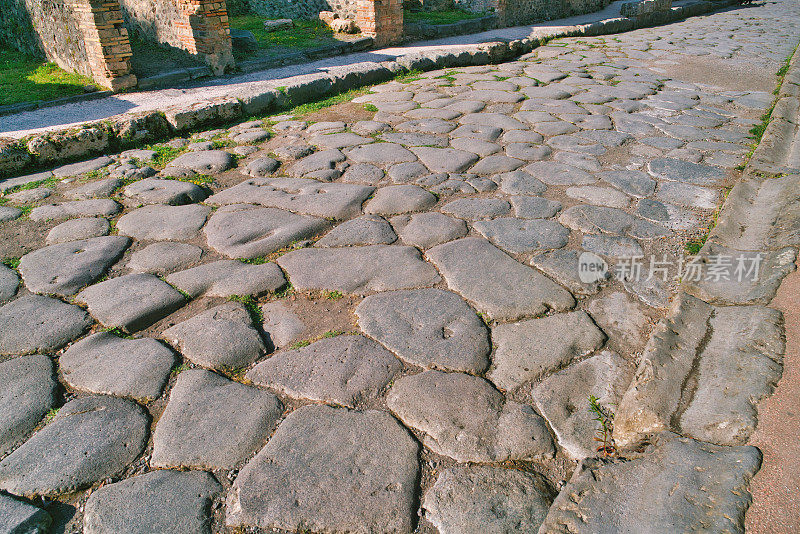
252	307
446	16
11	263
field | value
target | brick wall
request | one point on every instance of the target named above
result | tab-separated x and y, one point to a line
381	19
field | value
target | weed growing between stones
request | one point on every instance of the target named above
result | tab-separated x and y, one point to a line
311	107
334	295
693	246
605	420
306	342
252	307
411	76
50	415
178	369
164	154
11	263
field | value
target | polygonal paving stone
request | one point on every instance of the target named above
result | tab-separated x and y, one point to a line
407	172
156	223
75	169
476	146
325	160
363	173
465	418
224	278
573	143
358	270
426	126
364	230
8	283
281	324
496	164
75	208
612	246
96	438
337	201
95	189
690	485
220	338
520	183
634	183
104	363
592	219
247	231
497	284
330	470
415	139
599	196
346	370
427	327
425	230
445	159
523	235
34	323
27	196
212	422
131	302
338	140
261	167
171	192
497	120
477	208
397	199
526	207
19	517
7	213
562	399
527	151
162	258
202	162
623	319
688	195
65	268
381	153
76	229
564	267
530	349
474	500
27	393
553	173
159	501
477	131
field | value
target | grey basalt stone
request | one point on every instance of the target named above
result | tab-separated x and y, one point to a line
203	162
427	327
27	392
96	438
477	208
211	422
338	140
170	192
425	230
159	501
527	207
7	213
364	230
623	319
224	278
28	196
95	189
634	183
599	196
164	257
34	323
477	499
465	418
363	173
612	246
318	161
520	183
281	324
77	229
220	338
407	172
554	173
106	364
330	470
688	195
75	208
398	199
65	268
345	370
530	349
681	485
381	154
131	302
246	231
358	270
562	399
76	169
523	235
156	223
563	266
19	517
495	164
9	282
678	170
445	159
495	283
300	195
261	167
613	221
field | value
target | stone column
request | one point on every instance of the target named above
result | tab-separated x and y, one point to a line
381	19
203	30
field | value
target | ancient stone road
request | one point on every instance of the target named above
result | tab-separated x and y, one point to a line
377	324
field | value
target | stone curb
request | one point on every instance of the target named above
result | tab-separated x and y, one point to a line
129	130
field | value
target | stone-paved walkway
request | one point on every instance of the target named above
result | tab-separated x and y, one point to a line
373	321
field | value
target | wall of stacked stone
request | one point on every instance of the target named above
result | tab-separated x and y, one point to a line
296	9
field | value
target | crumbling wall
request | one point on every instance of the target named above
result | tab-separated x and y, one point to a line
301	9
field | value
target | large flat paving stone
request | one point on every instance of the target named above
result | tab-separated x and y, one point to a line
212	423
106	364
27	393
75	208
530	349
465	418
563	266
9	282
599	219
96	438
562	399
445	159
680	486
224	278
345	370
34	323
300	195
159	501
477	208
164	223
246	231
131	302
164	257
19	517
364	230
281	324
95	189
426	230
397	199
623	319
478	499
381	154
220	338
495	283
202	162
427	327
554	173
66	268
358	270
171	192
678	170
77	229
518	236
330	470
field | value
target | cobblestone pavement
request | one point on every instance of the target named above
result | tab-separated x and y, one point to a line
373	321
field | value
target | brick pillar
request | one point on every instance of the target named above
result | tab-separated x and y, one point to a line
106	39
381	19
204	31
